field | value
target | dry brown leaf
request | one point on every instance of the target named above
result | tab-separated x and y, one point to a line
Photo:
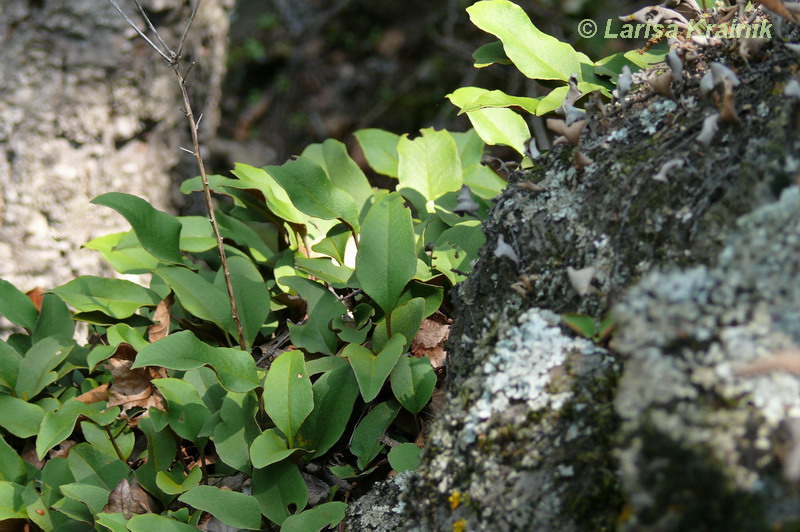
94	395
29	454
132	387
161	316
36	296
129	499
62	449
429	342
783	360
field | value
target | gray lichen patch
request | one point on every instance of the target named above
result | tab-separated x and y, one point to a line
688	335
501	449
380	510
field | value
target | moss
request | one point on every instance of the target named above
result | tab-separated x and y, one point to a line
596	501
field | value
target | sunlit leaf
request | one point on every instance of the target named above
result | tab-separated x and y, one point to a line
380	149
386	258
158	231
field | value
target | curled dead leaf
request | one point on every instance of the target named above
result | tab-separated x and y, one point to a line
36	295
129	499
132	387
62	449
429	342
95	395
161	316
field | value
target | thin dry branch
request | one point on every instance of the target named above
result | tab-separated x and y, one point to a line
173	59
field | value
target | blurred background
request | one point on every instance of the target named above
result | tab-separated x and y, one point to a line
301	71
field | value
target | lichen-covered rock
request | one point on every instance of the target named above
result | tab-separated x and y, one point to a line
704	440
516	450
531	437
380	510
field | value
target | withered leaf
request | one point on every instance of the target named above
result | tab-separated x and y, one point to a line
95	395
129	499
429	342
36	296
132	387
62	449
161	316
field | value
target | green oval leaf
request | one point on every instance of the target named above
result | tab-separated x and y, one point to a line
167	485
279	487
335	393
114	297
56	426
158	231
187	414
252	297
16	306
268	448
126	259
20	418
404	457
534	53
235	368
371	371
498	98
413	381
366	443
406	319
429	166
288	398
380	149
12	467
237	430
197	295
386	258
92	496
231	507
489	54
313	193
36	367
11	504
495	126
343	171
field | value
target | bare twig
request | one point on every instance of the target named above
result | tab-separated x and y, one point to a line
188	26
173	60
153	28
141	34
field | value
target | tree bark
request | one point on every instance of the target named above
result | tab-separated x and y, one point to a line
86	107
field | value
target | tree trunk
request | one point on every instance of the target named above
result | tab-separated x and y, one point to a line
86	107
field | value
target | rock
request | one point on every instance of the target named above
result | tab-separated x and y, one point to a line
705	446
546	431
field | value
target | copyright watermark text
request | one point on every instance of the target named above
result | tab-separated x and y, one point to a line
588	28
